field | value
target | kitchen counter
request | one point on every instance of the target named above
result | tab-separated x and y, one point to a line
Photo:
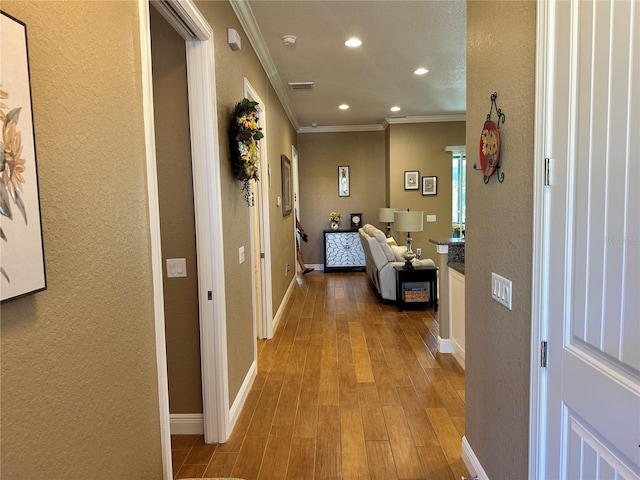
447	241
457	266
451	253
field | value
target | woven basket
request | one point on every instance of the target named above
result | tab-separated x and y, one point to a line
416	295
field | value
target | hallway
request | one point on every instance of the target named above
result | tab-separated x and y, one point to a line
348	388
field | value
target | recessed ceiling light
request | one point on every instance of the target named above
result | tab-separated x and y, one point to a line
344	106
395	109
353	42
421	71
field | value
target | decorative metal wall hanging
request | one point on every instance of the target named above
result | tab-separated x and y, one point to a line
490	143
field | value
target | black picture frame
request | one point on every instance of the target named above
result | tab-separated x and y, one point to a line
429	185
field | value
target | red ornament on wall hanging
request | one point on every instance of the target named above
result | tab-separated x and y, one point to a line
490	144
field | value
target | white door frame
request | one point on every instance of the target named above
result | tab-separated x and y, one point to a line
537	380
266	322
208	211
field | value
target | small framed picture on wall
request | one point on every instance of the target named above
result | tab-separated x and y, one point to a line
429	185
343	181
411	178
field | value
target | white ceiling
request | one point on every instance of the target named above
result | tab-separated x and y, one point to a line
398	36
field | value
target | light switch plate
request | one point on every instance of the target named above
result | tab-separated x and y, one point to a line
241	255
501	290
176	267
431	218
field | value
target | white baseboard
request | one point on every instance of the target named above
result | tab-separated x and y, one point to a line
283	304
445	345
458	353
238	403
186	423
471	461
319	267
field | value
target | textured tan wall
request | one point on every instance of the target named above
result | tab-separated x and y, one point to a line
177	215
282	239
79	384
420	146
499	236
231	70
320	155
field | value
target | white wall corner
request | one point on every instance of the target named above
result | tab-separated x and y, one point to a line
471	461
187	423
445	345
245	388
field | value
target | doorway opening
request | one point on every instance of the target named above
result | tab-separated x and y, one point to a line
198	35
260	232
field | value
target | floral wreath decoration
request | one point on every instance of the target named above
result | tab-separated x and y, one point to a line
244	134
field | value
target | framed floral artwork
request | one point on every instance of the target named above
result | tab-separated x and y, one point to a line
411	179
287	199
22	267
429	185
343	181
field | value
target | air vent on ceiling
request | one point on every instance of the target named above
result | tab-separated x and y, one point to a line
301	85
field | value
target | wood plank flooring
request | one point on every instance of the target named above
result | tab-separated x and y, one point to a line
348	388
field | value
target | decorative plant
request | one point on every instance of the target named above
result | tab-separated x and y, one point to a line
458	230
11	165
334	218
244	134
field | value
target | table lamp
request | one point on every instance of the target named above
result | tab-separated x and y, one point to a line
386	215
408	222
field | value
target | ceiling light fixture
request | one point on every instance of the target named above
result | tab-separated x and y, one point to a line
344	106
353	42
395	109
421	71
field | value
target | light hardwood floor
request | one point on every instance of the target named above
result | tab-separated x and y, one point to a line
348	388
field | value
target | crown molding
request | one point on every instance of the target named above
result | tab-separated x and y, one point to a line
342	128
454	117
248	21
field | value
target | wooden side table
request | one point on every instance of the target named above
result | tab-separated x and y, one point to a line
418	285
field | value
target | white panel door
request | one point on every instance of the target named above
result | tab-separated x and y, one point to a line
591	290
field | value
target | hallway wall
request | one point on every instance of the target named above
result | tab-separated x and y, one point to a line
320	155
79	382
499	236
232	68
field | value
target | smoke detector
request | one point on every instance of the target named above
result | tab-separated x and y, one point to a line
289	39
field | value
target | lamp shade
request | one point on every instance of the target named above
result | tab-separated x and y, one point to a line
408	221
385	215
